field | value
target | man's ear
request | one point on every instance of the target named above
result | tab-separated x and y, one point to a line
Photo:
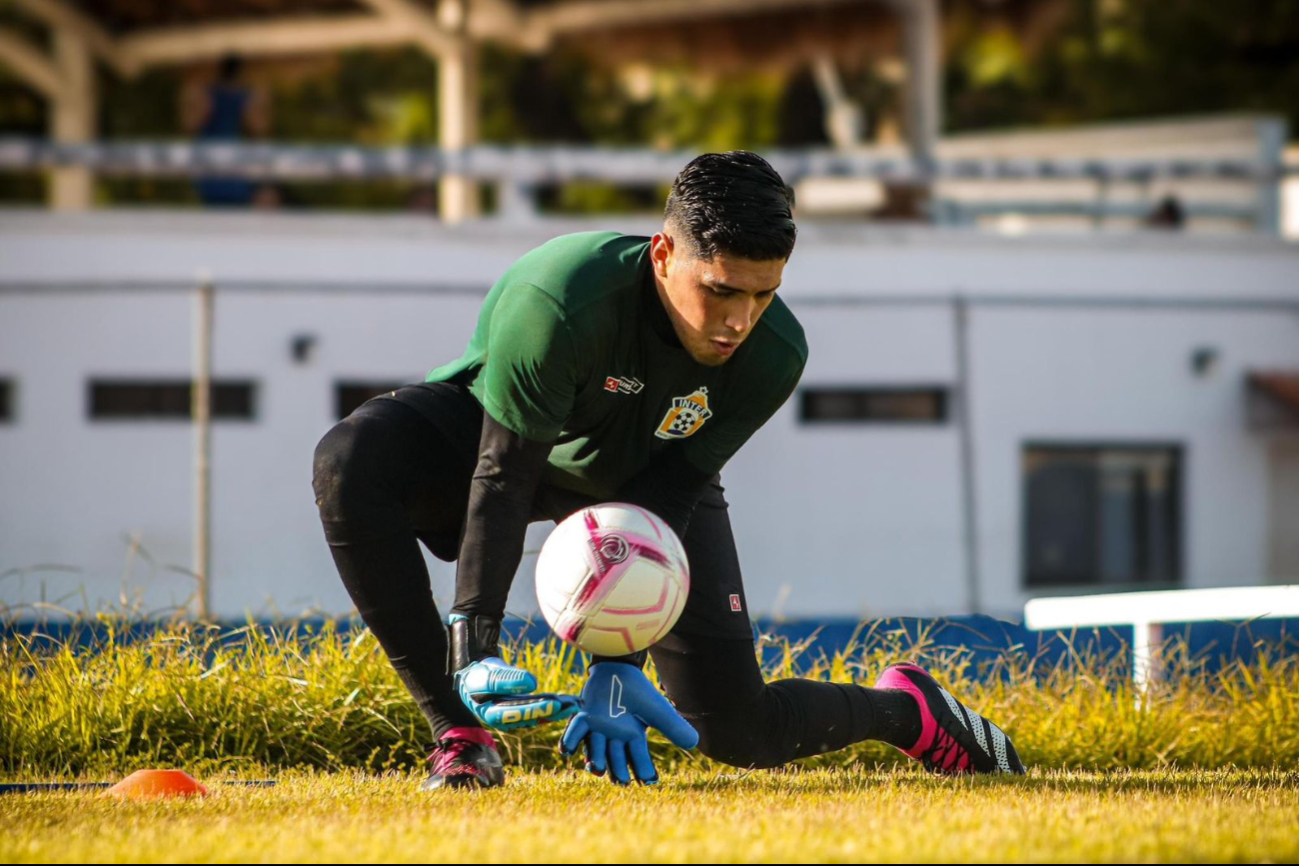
662	249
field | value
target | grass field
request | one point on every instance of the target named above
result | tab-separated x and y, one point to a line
212	699
1202	767
694	816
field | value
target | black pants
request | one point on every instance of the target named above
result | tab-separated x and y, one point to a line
396	473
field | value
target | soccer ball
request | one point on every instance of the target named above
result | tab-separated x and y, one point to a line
612	579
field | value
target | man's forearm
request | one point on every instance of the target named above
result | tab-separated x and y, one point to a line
500	503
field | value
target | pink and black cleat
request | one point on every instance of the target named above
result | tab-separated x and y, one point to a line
465	758
953	739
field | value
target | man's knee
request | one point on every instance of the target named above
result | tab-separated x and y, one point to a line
742	738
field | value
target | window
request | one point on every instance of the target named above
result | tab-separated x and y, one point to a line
874	405
167	399
349	395
6	400
1101	514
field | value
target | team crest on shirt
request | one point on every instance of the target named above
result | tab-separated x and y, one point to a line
686	416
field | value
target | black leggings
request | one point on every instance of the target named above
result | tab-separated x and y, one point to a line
396	472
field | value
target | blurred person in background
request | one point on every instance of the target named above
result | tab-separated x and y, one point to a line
227	110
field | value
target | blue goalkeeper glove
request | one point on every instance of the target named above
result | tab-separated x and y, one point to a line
619	704
501	696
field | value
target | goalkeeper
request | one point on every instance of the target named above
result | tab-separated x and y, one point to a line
608	368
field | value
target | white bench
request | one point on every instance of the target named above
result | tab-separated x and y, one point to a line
1146	612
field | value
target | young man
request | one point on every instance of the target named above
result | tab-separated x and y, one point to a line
608	368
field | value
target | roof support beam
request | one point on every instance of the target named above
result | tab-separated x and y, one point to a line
576	15
422	27
503	20
292	36
62	16
843	117
29	64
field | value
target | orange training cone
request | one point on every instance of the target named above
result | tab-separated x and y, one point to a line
148	784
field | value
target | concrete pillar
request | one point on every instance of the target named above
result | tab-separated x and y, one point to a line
72	120
922	36
1272	136
458	113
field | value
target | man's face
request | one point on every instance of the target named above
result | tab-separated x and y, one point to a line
713	305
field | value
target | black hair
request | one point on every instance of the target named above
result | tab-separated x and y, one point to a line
732	203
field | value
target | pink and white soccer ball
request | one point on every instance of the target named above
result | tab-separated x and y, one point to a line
612	579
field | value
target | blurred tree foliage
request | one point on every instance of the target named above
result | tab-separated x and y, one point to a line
1099	60
1116	59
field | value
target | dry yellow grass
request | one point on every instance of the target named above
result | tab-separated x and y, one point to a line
694	816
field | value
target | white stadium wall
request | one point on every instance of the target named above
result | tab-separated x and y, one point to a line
1069	340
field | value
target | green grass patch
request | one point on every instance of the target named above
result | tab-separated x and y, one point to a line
216	700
